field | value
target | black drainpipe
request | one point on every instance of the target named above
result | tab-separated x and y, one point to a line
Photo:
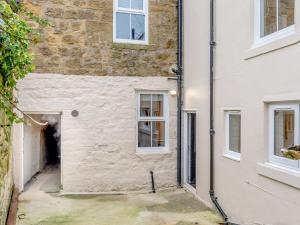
179	73
211	108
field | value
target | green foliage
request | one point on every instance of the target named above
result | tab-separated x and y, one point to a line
5	133
16	61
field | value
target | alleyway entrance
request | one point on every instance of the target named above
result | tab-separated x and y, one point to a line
42	151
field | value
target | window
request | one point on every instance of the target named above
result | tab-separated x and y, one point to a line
284	134
233	134
276	15
131	21
152	122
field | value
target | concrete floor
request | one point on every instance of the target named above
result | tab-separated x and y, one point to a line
37	207
48	181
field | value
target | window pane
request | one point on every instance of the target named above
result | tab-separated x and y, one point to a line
137	27
144	135
286	13
157	105
124	3
137	4
235	132
158	134
123	25
145	104
284	130
269	17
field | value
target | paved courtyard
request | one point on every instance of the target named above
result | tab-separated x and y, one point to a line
39	207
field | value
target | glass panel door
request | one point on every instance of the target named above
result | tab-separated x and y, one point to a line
191	149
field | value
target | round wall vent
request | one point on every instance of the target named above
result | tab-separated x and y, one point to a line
74	113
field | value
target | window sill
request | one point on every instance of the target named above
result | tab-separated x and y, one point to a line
234	158
117	45
284	175
289	38
152	152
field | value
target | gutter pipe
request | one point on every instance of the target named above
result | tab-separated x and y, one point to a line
179	72
212	44
179	77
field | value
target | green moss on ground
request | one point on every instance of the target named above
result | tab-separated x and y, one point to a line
170	208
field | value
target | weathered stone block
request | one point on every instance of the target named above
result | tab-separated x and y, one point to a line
69	39
54	12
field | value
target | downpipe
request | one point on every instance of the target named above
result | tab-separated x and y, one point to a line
152	182
212	45
179	74
214	199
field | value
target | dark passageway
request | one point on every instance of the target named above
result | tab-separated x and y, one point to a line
52	145
42	150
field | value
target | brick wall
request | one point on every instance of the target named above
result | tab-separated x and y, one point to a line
80	40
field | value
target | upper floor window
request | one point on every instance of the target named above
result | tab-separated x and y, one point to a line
284	135
152	122
276	15
131	21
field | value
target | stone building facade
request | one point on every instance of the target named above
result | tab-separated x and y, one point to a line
80	40
96	84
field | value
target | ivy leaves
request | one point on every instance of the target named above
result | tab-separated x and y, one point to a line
16	61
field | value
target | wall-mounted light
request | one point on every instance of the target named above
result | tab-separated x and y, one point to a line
173	92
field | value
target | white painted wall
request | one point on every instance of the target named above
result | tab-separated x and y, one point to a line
99	146
32	149
248	84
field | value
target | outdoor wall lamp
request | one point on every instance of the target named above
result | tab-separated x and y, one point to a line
173	92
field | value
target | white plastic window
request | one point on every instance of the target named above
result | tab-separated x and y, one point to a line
233	134
276	15
273	20
284	134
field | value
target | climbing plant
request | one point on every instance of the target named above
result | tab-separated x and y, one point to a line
16	36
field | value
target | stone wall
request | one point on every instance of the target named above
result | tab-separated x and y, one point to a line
80	40
99	146
6	180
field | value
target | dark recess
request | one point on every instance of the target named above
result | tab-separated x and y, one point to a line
52	146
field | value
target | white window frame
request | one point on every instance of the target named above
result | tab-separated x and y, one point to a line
164	118
130	11
228	152
281	161
258	40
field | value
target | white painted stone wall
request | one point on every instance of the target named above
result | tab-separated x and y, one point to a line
32	150
99	146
